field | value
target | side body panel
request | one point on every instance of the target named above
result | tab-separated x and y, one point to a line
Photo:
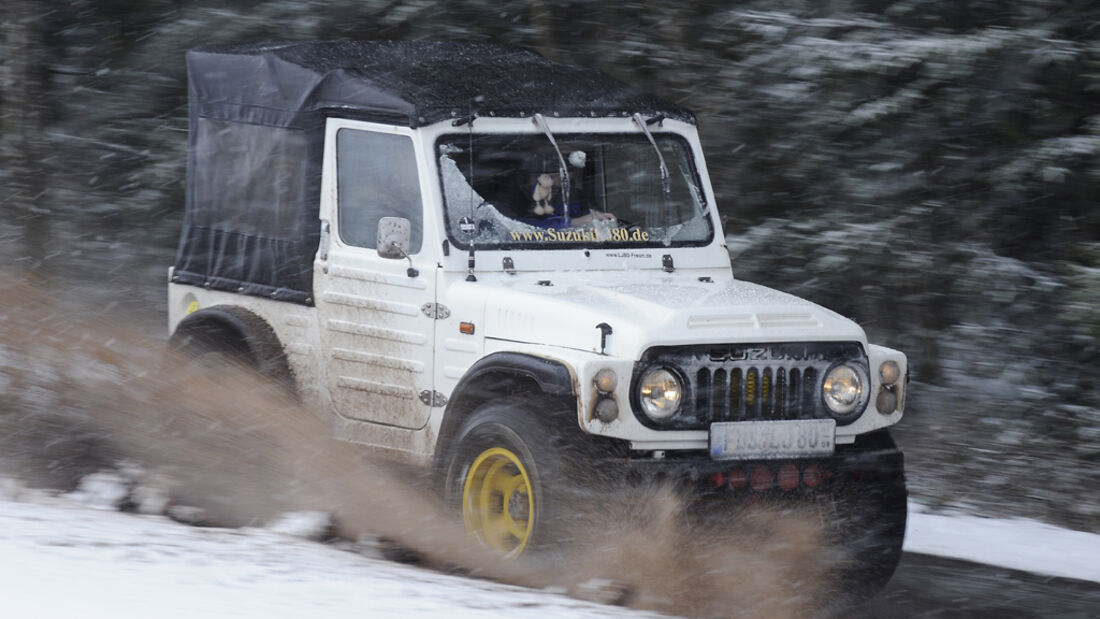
375	323
295	325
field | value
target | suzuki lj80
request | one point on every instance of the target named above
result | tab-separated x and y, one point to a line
512	273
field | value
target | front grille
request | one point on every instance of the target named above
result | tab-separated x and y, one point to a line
755	393
750	382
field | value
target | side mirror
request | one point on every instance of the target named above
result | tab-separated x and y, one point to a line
394	237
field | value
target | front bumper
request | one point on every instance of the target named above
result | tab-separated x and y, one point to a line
873	461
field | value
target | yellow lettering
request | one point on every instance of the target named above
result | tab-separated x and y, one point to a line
577	235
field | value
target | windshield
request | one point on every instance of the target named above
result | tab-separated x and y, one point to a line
507	190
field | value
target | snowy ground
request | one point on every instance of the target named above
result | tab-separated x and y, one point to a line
61	558
1025	545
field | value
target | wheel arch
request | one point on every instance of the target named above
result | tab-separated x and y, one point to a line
238	331
500	375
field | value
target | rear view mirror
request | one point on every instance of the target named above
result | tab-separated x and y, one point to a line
394	234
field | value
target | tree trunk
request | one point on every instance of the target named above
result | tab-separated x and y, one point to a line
22	116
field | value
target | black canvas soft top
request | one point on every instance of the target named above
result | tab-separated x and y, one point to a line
411	83
256	139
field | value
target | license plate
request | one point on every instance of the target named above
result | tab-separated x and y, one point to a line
751	440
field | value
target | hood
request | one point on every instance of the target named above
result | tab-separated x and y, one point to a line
647	309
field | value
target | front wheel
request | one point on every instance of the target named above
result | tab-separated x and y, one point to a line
498	501
506	476
873	509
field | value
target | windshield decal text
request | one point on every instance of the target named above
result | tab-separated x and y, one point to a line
577	235
627	254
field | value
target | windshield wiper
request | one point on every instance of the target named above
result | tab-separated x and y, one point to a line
562	171
666	179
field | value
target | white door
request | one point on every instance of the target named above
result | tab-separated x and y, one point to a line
376	336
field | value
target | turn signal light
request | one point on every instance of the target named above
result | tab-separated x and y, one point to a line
606	380
889	372
887	401
607	410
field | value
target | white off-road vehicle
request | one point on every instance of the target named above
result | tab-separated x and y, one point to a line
512	272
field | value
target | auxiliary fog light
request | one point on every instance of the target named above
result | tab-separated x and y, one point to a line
660	393
761	478
887	401
889	372
605	380
607	410
811	476
842	389
788	476
736	479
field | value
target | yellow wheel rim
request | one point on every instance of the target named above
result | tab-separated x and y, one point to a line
498	504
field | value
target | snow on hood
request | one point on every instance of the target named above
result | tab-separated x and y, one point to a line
644	309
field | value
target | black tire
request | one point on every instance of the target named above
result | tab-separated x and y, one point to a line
874	530
213	360
880	549
228	335
218	365
491	436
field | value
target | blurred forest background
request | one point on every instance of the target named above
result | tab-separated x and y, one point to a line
929	168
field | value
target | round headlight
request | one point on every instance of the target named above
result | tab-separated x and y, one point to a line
842	389
889	372
660	393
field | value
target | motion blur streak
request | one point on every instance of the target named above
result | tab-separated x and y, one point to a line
84	394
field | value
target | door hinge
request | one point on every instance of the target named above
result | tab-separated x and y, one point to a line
433	398
322	246
437	311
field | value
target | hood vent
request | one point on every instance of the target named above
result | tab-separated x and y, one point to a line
750	321
729	321
788	321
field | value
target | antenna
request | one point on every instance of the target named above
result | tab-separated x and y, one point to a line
471	262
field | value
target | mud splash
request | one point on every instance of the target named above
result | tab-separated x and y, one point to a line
82	394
